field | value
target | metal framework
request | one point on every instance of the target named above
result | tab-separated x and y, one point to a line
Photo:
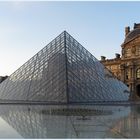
63	72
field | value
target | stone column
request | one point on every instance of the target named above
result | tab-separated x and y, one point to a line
122	68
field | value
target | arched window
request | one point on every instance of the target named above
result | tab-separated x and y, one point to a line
138	50
127	52
138	73
127	74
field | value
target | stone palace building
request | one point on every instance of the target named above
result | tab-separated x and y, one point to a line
127	65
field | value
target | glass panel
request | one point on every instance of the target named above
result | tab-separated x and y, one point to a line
88	79
42	78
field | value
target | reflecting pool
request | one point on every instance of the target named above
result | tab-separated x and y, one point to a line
90	121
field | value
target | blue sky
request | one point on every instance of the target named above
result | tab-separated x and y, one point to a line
26	27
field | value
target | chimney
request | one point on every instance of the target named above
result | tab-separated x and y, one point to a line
127	30
103	58
136	25
117	55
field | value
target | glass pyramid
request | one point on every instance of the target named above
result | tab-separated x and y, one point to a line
63	72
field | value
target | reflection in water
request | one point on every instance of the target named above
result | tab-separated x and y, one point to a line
130	125
72	121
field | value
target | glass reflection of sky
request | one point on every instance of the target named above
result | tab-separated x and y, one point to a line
69	121
6	131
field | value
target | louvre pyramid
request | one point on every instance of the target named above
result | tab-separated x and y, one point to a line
63	72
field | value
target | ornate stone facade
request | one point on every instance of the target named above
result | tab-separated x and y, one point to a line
127	65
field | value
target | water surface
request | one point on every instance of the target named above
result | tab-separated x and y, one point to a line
89	121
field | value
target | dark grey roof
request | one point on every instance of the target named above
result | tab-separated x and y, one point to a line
132	35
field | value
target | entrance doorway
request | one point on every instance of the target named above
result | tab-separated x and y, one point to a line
138	90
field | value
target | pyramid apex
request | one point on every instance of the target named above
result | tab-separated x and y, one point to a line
65	31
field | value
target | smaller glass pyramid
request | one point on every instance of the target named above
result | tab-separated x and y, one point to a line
63	72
